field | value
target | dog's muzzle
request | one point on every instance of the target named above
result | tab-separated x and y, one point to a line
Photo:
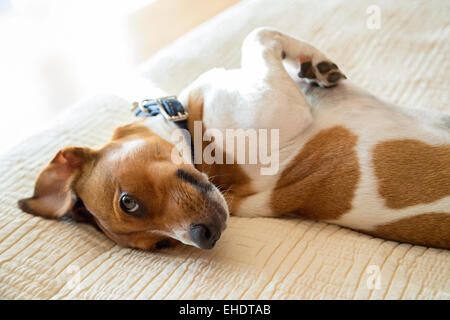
204	236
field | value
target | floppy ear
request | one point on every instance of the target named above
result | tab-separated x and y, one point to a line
53	193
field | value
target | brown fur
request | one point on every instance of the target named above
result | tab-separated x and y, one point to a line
321	180
99	181
132	129
230	178
428	229
53	189
319	183
411	172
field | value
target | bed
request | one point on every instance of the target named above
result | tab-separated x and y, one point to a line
405	60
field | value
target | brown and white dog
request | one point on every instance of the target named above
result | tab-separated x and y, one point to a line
344	157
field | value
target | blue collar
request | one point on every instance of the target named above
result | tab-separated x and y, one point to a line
169	107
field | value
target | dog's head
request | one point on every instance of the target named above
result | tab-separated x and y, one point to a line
133	191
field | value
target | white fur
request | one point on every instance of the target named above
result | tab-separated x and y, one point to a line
266	93
126	150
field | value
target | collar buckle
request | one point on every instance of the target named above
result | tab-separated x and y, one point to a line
160	103
180	116
170	108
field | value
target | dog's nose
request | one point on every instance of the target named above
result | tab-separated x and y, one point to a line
204	236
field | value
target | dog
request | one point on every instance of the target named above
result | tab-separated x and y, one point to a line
344	156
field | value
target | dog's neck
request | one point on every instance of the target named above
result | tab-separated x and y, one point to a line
160	126
166	130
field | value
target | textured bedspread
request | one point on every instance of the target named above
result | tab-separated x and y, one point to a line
405	61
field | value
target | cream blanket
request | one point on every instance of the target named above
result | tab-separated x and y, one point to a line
406	61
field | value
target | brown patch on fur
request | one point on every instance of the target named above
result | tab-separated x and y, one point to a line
411	172
229	178
428	229
132	129
321	180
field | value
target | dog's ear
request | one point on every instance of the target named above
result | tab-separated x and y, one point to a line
53	192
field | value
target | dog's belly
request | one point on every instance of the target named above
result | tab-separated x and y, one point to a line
362	168
352	166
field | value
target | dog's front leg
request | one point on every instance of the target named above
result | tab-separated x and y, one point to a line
277	100
264	50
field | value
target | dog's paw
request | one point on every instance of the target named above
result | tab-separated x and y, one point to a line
320	71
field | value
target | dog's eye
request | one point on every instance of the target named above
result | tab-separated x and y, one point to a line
128	203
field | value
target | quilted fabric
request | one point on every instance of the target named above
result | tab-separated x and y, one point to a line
261	258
